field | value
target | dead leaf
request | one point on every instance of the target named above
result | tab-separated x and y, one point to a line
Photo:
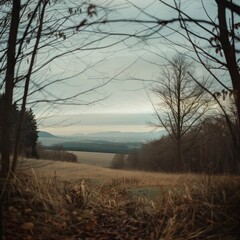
28	210
27	226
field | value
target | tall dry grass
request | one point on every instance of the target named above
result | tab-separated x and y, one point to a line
206	208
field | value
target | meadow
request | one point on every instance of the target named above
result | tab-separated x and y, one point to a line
94	158
62	200
65	171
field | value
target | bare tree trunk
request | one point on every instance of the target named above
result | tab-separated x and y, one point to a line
9	85
179	118
24	100
230	56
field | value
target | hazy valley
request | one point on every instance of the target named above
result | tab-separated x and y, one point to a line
109	142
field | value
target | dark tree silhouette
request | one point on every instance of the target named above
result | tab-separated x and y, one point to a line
181	104
29	133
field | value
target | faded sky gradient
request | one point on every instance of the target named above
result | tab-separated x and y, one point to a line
126	106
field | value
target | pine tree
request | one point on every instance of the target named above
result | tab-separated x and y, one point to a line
29	133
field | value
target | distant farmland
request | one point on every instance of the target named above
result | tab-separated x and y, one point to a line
94	158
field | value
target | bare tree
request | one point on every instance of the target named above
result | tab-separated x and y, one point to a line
211	38
214	39
181	104
33	35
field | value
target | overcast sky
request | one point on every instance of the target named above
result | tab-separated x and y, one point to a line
125	104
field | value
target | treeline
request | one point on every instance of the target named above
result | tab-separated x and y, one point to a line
199	138
208	147
58	153
29	133
29	146
99	146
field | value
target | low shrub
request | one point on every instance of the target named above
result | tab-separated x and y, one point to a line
57	154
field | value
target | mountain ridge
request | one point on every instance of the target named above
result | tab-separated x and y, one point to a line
44	134
112	141
108	135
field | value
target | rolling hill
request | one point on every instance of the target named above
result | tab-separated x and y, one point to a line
109	142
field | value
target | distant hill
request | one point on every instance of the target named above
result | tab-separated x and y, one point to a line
43	134
99	146
116	136
108	142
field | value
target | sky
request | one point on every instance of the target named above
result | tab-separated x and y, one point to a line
125	102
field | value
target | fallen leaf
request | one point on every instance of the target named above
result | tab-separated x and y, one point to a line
27	226
28	210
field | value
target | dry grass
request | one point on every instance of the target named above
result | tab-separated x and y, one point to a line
92	158
75	171
117	207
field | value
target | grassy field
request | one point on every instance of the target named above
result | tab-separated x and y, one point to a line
92	158
77	171
70	201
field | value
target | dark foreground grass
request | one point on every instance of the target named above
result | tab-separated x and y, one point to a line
48	209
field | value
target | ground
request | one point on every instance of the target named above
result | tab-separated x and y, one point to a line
78	201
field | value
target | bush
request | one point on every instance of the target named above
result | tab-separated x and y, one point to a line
57	154
118	161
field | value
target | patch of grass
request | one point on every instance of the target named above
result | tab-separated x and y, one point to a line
145	192
129	181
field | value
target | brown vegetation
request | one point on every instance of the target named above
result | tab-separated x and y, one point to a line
207	148
58	154
65	171
123	207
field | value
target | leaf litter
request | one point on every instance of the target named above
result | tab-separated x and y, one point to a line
81	211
